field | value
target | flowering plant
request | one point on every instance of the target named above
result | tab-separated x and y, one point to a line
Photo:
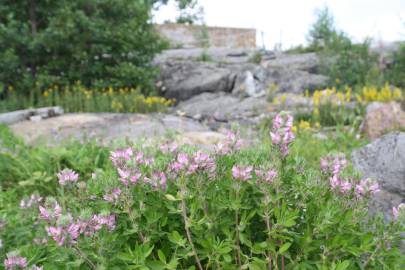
173	207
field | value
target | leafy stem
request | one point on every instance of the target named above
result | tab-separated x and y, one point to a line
186	227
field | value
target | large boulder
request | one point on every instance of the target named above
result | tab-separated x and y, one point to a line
182	80
384	161
222	107
381	118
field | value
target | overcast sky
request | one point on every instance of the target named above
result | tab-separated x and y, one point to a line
288	21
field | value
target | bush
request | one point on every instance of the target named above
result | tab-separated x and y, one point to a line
176	208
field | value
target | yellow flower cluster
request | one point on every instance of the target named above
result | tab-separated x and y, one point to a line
80	98
385	94
304	126
159	100
331	95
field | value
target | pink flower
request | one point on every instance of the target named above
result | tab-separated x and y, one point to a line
367	186
14	262
281	133
157	179
266	177
67	176
114	196
32	201
345	186
51	211
242	173
275	138
396	211
232	144
120	156
277	122
169	148
57	234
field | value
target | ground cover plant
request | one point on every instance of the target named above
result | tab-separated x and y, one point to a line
275	206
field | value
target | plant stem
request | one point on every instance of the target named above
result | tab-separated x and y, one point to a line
190	240
84	257
268	225
237	241
282	262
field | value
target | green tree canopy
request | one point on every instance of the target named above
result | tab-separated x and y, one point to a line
99	42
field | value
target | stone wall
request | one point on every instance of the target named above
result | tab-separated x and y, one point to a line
196	36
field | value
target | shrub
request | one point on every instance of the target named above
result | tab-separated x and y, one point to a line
176	208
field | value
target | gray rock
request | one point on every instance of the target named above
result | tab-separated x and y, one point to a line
185	79
105	127
224	107
384	161
219	55
21	115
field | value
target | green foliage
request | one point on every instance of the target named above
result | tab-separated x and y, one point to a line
204	57
256	57
100	43
312	227
350	64
395	72
323	31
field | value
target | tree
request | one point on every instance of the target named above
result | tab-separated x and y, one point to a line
341	60
323	31
99	42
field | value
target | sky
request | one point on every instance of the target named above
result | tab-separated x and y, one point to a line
287	21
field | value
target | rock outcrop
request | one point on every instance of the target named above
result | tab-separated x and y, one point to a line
243	72
384	161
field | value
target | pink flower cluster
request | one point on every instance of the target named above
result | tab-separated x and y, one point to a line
281	133
15	262
121	156
366	187
64	234
334	165
232	143
397	211
67	176
242	173
64	230
169	148
50	211
265	176
30	202
114	196
129	165
89	227
199	162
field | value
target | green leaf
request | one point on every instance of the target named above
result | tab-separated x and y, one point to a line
343	265
170	197
161	256
284	248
